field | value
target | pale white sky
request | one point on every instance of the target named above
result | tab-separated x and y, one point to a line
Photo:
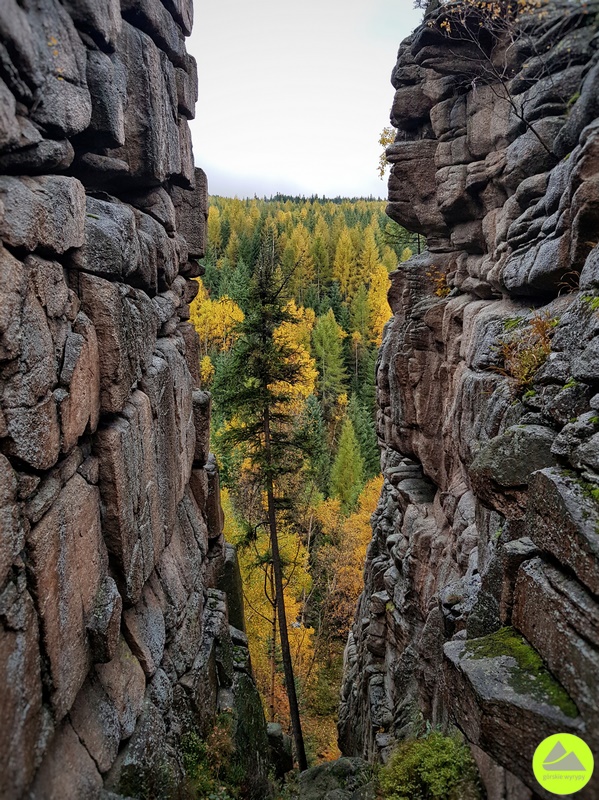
293	95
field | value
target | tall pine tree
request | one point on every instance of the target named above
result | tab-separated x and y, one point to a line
258	392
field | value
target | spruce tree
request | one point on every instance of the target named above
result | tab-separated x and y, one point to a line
359	313
327	340
234	283
335	301
367	390
225	231
347	473
365	429
315	432
257	391
211	277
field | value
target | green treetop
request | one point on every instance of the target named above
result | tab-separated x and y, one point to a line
347	473
327	340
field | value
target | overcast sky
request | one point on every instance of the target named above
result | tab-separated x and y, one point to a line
293	95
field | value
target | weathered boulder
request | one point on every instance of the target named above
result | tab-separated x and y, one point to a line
558	616
151	151
344	779
562	521
125	324
132	521
502	692
124	684
111	247
501	471
63	103
103	627
201	421
280	749
21	711
192	216
145	631
79	403
12	530
252	744
44	213
147	766
95	720
67	770
231	584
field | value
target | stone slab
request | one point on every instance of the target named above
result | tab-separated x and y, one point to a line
69	562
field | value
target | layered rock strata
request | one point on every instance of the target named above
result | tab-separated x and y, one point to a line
115	644
481	599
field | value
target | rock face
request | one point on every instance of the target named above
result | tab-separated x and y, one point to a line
343	779
481	598
115	642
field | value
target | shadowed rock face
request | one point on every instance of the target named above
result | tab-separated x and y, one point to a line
488	518
113	632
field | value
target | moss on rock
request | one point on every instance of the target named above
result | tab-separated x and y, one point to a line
528	675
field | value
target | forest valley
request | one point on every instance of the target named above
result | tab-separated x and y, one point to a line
290	313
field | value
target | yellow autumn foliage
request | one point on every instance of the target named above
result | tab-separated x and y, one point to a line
215	320
379	310
206	371
295	335
344	557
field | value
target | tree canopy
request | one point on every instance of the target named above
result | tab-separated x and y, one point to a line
290	313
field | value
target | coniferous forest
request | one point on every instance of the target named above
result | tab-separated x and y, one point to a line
325	265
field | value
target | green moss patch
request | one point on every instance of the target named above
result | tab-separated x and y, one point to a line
592	301
590	490
529	676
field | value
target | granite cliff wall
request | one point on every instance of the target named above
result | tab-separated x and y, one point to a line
481	599
115	643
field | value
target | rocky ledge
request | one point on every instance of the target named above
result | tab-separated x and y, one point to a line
481	600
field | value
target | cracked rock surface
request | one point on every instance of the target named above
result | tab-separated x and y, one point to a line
486	537
115	642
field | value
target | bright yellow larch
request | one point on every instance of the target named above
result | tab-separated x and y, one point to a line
215	320
378	305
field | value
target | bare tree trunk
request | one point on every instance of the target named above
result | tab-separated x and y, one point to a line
278	572
273	651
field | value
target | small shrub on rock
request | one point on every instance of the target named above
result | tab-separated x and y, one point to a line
436	767
439	279
525	347
212	773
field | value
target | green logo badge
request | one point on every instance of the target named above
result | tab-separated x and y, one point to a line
563	763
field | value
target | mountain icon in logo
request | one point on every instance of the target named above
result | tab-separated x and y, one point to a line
559	760
563	764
